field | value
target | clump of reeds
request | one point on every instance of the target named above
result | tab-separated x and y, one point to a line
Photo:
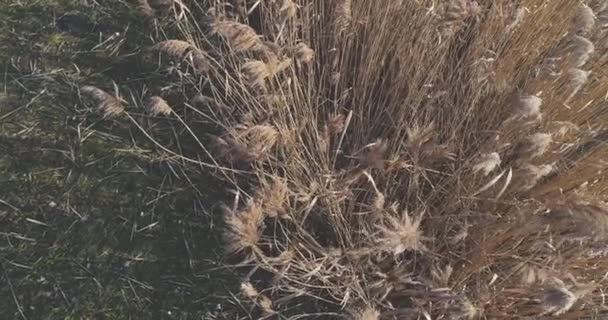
385	180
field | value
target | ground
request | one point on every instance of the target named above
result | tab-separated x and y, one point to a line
91	225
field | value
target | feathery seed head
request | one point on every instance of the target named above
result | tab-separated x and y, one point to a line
144	9
157	106
577	78
174	49
258	140
273	198
203	101
303	53
400	235
520	14
417	136
249	291
266	305
529	107
200	62
367	314
539	144
529	175
257	72
373	155
466	310
379	202
249	145
456	12
336	124
600	6
244	228
582	50
487	163
240	37
565	127
585	20
289	9
534	146
108	105
344	15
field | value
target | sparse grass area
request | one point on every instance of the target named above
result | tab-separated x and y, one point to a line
91	226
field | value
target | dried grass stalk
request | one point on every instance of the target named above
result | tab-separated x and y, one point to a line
303	53
108	105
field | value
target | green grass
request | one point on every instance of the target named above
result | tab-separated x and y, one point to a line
90	227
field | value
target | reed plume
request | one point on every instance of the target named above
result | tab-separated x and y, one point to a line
240	37
158	106
108	105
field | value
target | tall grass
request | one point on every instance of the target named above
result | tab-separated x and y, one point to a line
400	159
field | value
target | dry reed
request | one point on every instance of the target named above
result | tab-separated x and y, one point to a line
438	160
